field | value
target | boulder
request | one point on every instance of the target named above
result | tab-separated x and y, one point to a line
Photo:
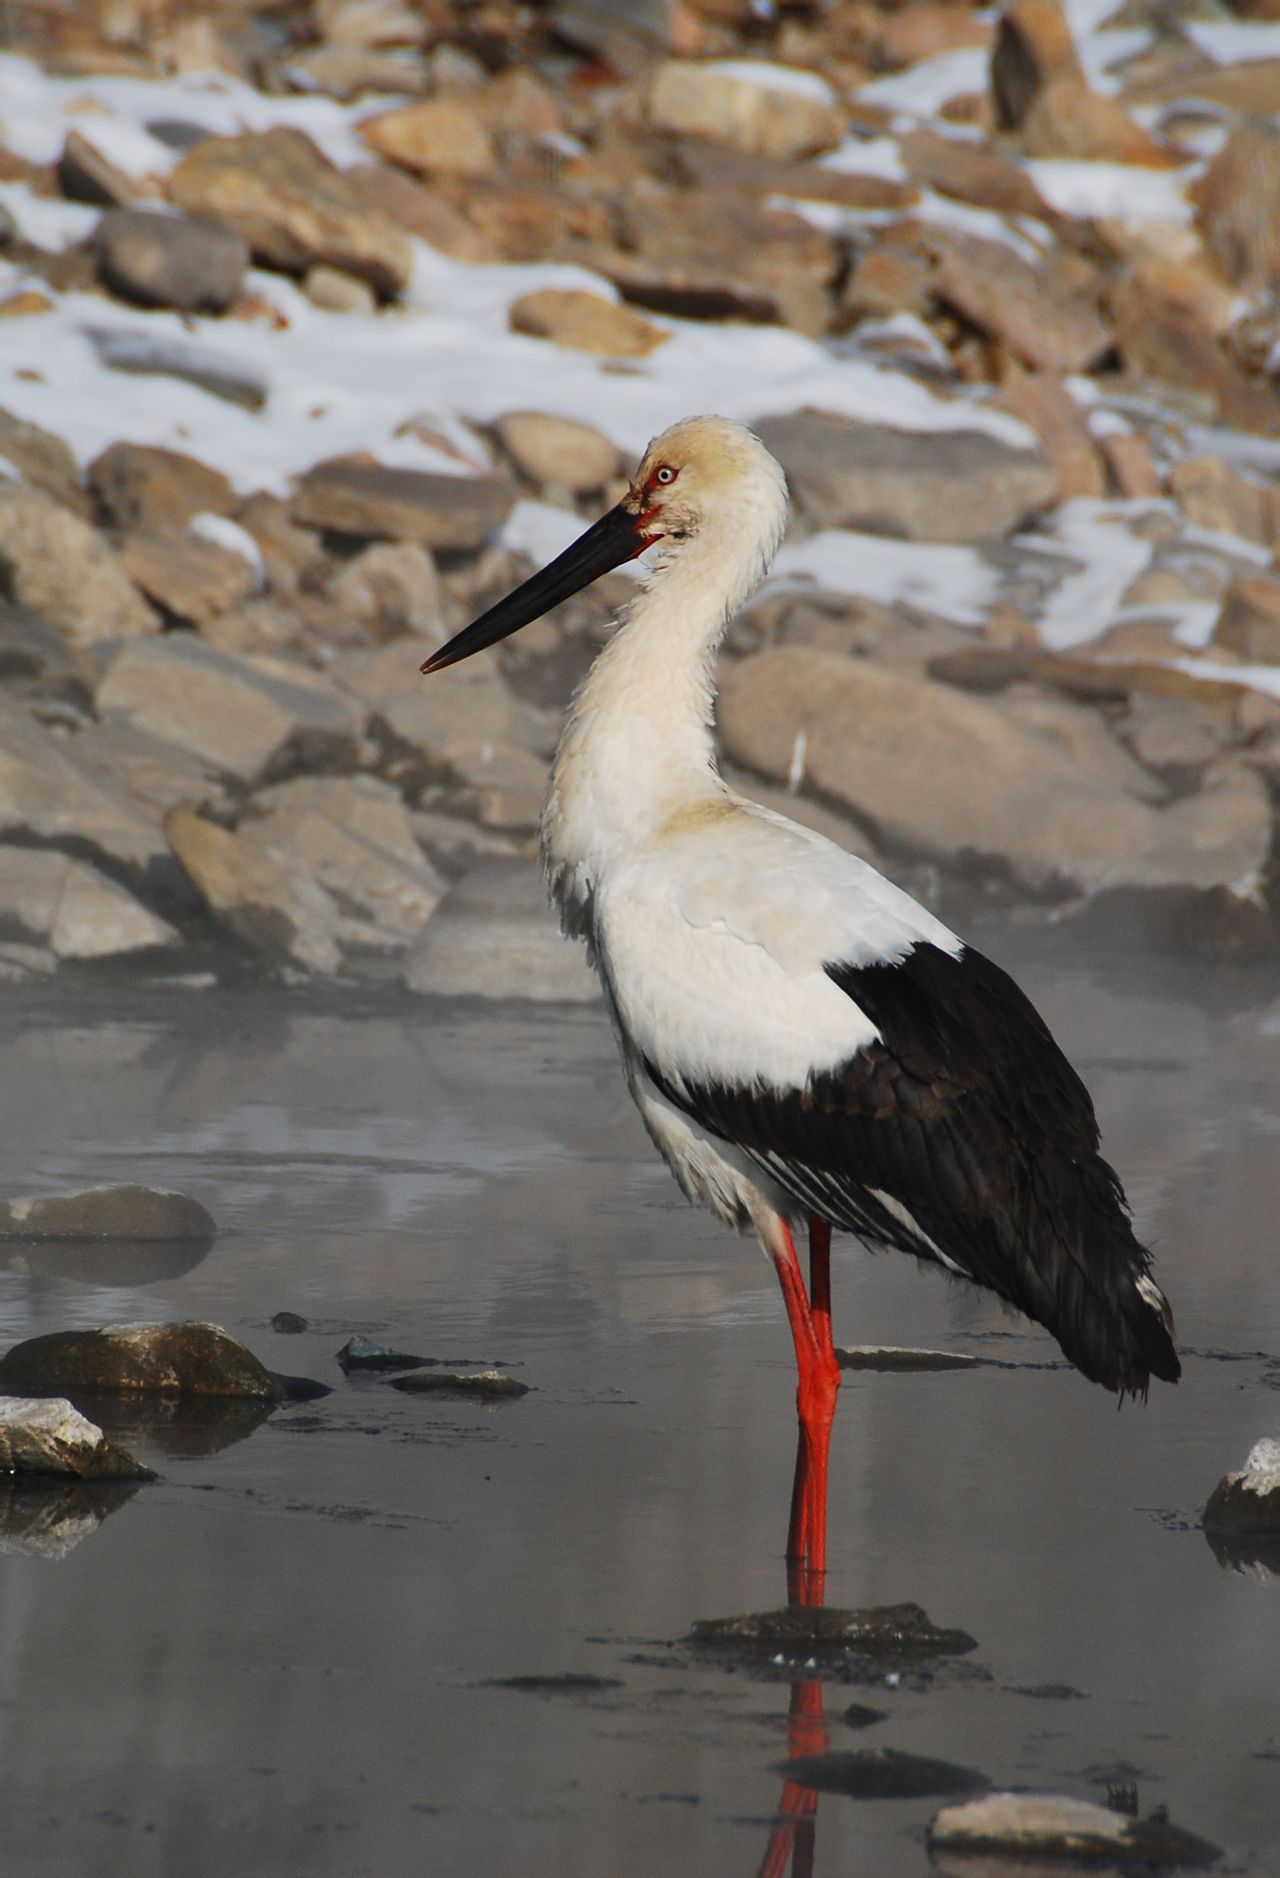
188	263
1039	93
495	937
919	485
250	719
466	706
55	563
292	206
49	793
189	578
139	486
371	501
156	774
1040	318
761	109
290	919
1248	1502
46	1435
170	1359
587	322
43	460
1237	202
442	136
1063	1829
126	1212
1249	622
558	450
74	909
393	586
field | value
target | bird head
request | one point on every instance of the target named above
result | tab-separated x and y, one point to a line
706	481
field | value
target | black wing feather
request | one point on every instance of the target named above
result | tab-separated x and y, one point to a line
968	1116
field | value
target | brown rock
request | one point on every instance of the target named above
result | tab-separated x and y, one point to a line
85	175
44	460
55	563
1237	202
1160	338
394	586
191	579
371	501
350	71
394	197
887	278
971	172
1039	94
506	784
438	137
559	450
1250	620
527	223
291	555
335	292
74	909
139	486
171	1359
187	262
155	773
1131	466
1043	403
1213	495
468	705
695	100
1250	89
585	321
291	205
927	30
1048	326
119	1212
50	793
250	893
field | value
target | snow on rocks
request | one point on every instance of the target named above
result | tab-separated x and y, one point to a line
1066	1831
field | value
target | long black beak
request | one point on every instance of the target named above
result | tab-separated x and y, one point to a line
617	537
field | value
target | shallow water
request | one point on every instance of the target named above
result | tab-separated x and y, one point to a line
281	1656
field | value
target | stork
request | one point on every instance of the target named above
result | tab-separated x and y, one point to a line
809	1048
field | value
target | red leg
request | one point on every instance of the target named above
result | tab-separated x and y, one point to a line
818	1380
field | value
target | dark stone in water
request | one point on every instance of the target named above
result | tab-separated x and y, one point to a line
172	1359
887	1357
862	1715
482	1382
360	1353
288	1324
1248	1502
570	1683
127	1212
888	1630
881	1774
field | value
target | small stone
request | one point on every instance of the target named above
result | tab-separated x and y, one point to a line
410	206
141	487
181	1359
881	1774
494	937
893	1631
791	116
586	322
126	1212
335	292
1057	1826
490	1383
292	206
24	303
56	564
86	175
191	579
248	891
1248	1502
76	910
289	1324
46	1435
359	1353
558	450
169	260
438	137
394	586
970	172
209	368
1249	622
886	1358
370	500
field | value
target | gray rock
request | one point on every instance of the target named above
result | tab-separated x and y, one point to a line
47	790
489	1383
292	206
466	706
86	175
46	1435
558	450
140	486
31	649
191	579
360	1353
158	775
885	1631
1248	1502
393	585
126	1212
191	264
506	783
920	485
495	937
1057	1826
52	561
374	501
46	462
171	1359
148	355
275	912
249	718
880	1774
76	910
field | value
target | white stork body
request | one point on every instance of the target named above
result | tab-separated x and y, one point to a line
805	1043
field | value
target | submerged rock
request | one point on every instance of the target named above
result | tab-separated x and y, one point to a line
46	1435
288	1324
482	1382
173	1359
1056	1826
360	1353
888	1630
881	1774
107	1213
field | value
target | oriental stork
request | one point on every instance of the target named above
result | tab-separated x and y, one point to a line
808	1047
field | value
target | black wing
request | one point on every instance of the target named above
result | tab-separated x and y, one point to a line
966	1137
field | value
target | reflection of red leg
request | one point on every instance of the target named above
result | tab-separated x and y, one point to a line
818	1380
793	1836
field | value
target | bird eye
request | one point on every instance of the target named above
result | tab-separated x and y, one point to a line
664	475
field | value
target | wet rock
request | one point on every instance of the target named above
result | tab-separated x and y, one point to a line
47	791
881	1774
334	291
158	260
862	1715
558	450
1249	622
172	1359
438	137
763	111
1056	1826
43	459
586	322
1041	319
1237	202
359	1353
495	937
247	718
353	837
44	1517
289	1324
951	485
1248	1502
394	586
56	564
292	206
124	1212
891	1631
46	1435
260	902
370	500
487	1383
189	578
138	486
887	1358
73	908
209	368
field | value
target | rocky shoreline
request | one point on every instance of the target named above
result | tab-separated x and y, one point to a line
1010	302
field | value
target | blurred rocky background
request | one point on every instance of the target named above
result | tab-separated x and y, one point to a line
322	323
